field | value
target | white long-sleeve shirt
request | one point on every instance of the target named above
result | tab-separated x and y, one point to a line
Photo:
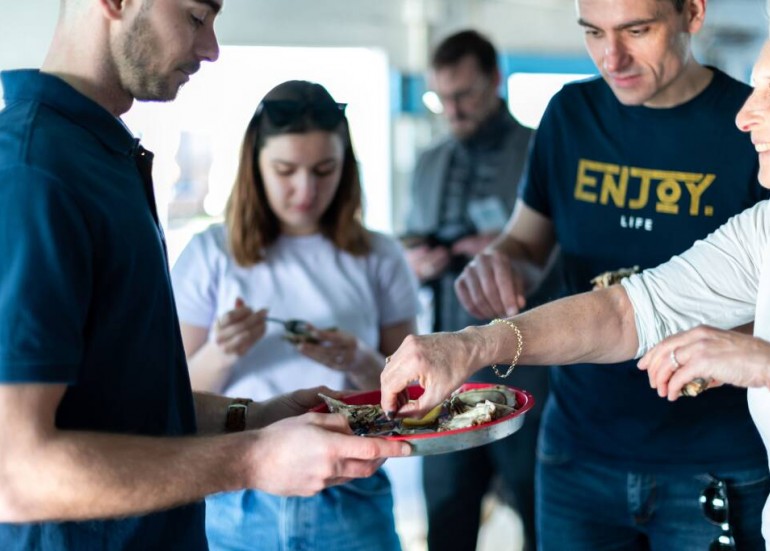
722	281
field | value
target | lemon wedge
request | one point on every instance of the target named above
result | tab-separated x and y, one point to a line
428	419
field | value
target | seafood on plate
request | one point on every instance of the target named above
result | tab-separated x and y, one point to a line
362	419
476	407
461	410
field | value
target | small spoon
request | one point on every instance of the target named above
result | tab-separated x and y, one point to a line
298	327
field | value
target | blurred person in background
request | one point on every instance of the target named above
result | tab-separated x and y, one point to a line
463	190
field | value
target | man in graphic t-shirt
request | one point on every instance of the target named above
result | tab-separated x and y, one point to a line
628	170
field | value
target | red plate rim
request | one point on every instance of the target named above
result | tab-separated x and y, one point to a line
524	401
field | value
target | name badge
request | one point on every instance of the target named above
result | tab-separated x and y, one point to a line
488	214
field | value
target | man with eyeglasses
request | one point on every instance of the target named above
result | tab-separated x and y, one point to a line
103	444
463	190
627	170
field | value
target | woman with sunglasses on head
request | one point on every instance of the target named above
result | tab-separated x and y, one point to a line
293	247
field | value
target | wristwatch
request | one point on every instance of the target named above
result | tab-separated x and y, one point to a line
235	421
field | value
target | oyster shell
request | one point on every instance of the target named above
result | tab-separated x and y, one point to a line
362	419
606	279
477	406
461	410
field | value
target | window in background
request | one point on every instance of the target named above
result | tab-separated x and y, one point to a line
529	93
196	138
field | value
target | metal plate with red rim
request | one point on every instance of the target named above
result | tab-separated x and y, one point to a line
431	443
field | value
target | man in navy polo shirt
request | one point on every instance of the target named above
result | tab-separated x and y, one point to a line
96	412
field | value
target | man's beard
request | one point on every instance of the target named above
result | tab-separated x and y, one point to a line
139	74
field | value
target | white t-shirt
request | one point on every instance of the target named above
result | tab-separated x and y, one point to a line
723	281
305	278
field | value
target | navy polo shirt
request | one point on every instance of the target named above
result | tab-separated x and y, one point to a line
86	297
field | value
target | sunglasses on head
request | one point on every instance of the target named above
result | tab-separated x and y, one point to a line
286	112
716	508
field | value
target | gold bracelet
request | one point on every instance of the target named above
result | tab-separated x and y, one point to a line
519	347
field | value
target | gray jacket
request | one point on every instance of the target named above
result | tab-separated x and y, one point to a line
430	176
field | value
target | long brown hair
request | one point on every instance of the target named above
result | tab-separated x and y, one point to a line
252	226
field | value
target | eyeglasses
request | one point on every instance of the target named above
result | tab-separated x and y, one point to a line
285	112
716	508
459	96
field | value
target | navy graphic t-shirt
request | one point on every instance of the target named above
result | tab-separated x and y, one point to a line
631	185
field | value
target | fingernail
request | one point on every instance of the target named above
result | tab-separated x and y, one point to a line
390	415
406	449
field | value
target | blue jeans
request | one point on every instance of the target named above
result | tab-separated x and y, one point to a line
357	516
594	507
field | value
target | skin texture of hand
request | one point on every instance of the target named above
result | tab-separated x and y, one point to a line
335	350
489	288
438	362
305	454
428	263
716	355
237	330
343	352
292	404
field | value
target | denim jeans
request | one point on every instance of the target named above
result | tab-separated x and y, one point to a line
357	516
589	506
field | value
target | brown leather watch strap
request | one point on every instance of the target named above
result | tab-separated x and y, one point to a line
235	421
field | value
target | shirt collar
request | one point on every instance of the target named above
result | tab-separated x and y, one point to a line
52	91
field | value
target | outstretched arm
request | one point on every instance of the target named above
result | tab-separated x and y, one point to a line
596	327
52	474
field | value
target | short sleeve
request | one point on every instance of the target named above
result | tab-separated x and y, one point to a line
395	284
195	281
46	273
533	187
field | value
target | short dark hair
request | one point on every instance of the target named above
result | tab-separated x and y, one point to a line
461	44
678	5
